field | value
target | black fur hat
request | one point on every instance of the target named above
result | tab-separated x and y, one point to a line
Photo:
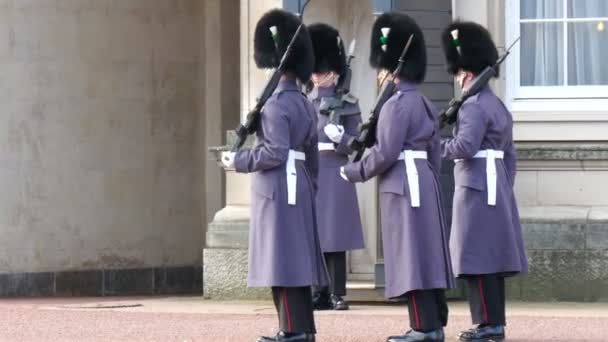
390	33
328	48
285	24
468	46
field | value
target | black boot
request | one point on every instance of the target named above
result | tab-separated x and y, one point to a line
486	333
285	337
416	336
338	303
321	301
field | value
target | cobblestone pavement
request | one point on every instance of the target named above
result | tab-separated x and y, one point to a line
193	319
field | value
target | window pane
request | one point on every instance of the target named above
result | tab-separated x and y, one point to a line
587	53
541	9
587	8
542	62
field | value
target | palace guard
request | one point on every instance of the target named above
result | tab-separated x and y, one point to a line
486	238
406	158
284	249
339	116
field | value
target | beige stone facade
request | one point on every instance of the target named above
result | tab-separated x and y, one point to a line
549	183
108	107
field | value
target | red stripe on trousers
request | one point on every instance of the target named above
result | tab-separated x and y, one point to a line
287	310
483	300
416	312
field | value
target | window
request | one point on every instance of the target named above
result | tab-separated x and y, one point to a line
563	51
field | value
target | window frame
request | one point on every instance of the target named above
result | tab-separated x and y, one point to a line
564	98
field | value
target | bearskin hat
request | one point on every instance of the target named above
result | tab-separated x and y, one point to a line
468	46
328	49
279	26
390	33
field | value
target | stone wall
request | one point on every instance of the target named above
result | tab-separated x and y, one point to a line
563	205
560	186
100	135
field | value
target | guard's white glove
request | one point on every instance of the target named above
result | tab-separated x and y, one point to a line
334	132
228	159
343	174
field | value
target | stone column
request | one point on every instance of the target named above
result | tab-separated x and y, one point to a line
225	253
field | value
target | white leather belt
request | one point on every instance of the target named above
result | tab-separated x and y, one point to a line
491	156
292	176
326	146
412	173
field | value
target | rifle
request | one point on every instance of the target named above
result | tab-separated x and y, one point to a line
253	117
367	131
333	105
449	115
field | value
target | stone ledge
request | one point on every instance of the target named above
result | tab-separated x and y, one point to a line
563	214
562	151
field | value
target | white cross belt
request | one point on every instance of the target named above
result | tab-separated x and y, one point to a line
491	179
292	176
412	173
326	146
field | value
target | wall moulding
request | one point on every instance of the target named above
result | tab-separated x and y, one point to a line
562	156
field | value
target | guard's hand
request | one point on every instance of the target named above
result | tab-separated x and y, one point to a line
334	132
366	126
227	159
343	174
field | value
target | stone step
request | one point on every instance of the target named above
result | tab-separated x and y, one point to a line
361	277
363	291
366	291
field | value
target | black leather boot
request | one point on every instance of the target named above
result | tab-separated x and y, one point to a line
415	336
321	301
487	333
338	303
285	337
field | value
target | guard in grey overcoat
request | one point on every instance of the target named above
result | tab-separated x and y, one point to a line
338	216
406	159
486	237
284	249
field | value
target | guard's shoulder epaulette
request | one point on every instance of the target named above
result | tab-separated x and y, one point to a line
350	98
274	97
277	94
474	98
398	94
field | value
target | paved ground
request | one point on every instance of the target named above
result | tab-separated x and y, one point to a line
193	319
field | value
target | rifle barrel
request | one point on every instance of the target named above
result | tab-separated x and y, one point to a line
481	80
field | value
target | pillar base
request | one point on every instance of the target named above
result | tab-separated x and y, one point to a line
225	276
225	257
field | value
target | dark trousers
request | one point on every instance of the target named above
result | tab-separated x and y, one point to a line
486	294
428	309
336	267
295	309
